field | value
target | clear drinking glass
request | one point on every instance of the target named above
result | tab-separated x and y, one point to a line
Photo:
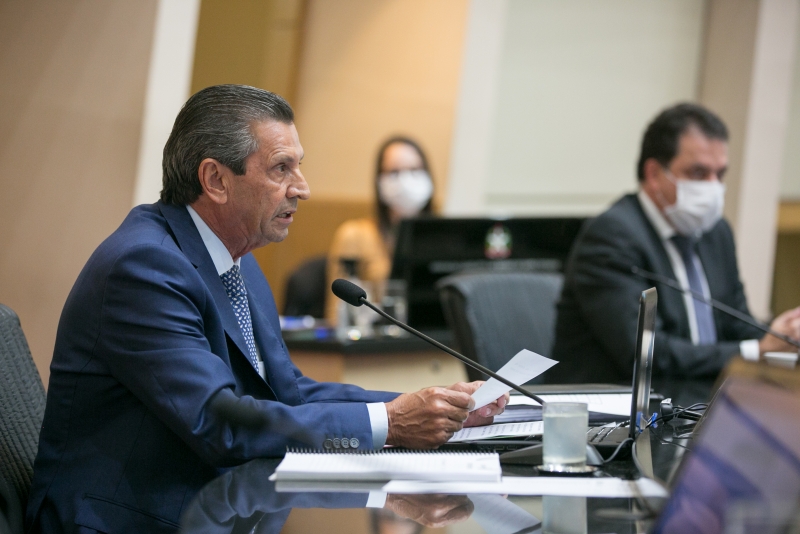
565	425
564	515
363	316
393	299
395	303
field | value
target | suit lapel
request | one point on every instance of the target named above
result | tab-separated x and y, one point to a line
192	245
670	301
279	371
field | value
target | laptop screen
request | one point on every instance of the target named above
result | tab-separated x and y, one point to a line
643	361
743	472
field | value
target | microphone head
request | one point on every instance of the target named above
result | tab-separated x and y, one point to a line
348	292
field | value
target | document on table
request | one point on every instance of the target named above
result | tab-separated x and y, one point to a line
388	464
611	403
505	430
498	515
524	366
607	487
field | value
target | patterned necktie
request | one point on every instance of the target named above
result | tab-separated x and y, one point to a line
706	331
234	287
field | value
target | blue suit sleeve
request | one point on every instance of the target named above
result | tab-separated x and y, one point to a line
155	315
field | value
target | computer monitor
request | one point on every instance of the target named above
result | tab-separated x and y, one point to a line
429	248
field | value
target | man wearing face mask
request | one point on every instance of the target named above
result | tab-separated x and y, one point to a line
674	227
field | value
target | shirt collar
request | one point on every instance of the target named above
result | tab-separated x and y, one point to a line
662	226
216	248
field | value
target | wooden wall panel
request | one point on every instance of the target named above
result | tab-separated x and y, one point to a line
250	42
310	234
786	283
72	91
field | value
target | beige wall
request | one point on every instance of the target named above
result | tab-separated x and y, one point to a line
790	185
551	123
355	71
250	42
746	78
370	69
725	80
71	97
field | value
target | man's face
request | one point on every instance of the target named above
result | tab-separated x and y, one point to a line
262	200
698	158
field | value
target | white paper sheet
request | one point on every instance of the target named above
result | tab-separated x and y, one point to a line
524	366
509	430
611	403
500	516
567	487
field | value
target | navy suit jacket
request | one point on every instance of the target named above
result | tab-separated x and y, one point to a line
146	340
596	325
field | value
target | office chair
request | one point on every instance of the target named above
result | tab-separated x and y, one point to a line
10	512
306	289
22	400
495	315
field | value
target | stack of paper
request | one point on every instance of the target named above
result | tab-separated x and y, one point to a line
608	403
390	465
507	430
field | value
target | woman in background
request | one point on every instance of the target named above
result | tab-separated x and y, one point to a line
403	188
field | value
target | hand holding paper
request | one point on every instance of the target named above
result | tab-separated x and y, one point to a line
484	415
524	366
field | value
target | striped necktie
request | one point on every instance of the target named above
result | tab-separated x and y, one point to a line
706	330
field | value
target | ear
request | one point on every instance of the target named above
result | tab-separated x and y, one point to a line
215	180
651	173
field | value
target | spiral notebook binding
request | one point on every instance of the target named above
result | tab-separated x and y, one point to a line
308	450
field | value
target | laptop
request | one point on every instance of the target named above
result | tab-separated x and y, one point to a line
743	471
607	439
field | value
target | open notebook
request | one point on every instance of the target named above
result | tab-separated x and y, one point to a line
389	465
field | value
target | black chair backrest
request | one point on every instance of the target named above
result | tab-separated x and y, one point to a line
306	289
10	511
22	401
495	315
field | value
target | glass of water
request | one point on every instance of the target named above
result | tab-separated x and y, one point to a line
565	425
564	515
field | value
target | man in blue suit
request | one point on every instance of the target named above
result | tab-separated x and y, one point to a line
172	318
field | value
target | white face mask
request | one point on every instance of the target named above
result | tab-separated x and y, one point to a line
405	192
698	206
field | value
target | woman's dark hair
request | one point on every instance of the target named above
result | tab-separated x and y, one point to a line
662	137
384	222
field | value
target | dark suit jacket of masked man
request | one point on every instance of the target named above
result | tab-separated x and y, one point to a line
597	313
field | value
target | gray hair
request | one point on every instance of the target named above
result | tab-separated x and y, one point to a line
215	122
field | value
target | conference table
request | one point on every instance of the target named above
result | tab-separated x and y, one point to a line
245	500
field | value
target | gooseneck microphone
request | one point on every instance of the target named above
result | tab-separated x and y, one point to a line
355	296
724	308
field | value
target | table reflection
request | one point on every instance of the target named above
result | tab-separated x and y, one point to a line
245	500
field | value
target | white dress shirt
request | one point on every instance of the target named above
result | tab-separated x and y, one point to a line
378	417
748	348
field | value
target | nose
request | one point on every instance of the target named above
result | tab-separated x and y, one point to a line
299	187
